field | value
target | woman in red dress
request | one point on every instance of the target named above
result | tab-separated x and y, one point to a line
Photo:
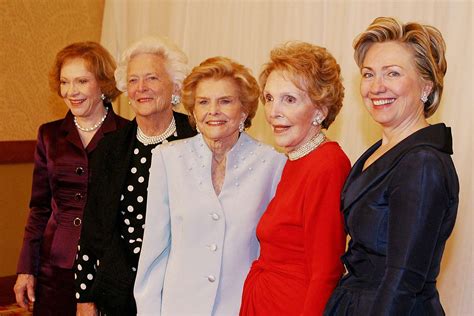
301	233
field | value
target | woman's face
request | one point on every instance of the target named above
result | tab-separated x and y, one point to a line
80	89
217	109
149	85
391	86
289	111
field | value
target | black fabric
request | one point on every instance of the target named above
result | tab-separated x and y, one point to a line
133	212
112	290
54	298
399	213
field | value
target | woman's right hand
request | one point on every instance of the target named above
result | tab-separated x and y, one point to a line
24	289
86	309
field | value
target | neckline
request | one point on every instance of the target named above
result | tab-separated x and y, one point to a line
305	149
152	140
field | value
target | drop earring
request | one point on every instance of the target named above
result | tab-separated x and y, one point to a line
241	126
102	97
317	121
424	97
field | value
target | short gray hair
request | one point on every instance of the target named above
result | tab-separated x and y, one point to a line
176	61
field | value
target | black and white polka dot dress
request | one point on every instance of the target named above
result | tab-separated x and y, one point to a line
131	218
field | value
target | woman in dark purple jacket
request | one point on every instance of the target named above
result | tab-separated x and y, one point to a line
83	75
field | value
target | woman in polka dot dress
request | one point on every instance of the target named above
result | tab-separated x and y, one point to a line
209	191
151	71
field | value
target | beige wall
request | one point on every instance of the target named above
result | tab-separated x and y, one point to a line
15	190
32	32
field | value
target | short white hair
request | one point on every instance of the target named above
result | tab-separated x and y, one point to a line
176	61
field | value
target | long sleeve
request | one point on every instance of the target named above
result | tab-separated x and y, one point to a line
418	203
40	211
324	235
84	274
156	241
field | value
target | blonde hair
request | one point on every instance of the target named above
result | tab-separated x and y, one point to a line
312	69
425	41
98	61
176	61
219	68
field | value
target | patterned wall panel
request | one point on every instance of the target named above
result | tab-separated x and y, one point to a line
31	34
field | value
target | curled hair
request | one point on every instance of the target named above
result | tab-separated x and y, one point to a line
98	61
313	70
219	68
176	61
425	41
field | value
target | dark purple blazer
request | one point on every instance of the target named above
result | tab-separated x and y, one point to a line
59	193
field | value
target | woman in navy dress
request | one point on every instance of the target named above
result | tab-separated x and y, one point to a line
401	197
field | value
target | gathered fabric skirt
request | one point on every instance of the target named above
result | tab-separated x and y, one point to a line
54	292
270	290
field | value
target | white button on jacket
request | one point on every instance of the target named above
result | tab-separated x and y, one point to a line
213	241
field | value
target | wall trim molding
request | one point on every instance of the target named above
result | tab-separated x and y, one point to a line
21	151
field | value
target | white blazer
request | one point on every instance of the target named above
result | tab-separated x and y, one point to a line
213	240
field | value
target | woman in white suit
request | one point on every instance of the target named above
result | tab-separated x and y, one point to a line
209	191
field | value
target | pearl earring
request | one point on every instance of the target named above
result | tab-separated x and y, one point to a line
102	97
175	99
241	126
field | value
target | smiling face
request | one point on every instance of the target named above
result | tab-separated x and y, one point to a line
289	111
80	89
218	110
149	85
391	86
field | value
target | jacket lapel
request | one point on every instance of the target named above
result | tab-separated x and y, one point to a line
359	182
68	128
119	154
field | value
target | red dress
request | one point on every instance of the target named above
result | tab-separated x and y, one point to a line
301	237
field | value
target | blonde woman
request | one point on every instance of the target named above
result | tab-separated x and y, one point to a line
401	197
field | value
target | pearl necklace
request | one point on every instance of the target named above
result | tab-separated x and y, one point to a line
150	140
93	128
308	147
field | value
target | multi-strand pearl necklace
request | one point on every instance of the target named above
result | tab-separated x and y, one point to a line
149	140
96	126
305	149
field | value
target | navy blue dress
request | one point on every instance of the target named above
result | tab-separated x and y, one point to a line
399	213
